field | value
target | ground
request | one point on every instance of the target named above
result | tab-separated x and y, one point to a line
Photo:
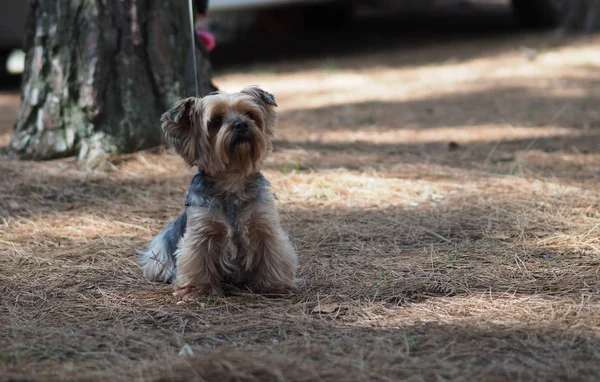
443	199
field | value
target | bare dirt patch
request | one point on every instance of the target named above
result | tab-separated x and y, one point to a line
446	216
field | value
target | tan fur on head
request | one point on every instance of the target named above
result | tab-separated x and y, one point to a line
203	130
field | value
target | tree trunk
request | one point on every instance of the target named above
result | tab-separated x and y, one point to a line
99	73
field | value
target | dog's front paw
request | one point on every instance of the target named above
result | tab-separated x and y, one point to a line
187	292
192	292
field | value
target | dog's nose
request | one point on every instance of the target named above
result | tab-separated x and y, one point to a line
240	125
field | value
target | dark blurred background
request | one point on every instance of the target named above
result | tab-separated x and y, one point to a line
253	31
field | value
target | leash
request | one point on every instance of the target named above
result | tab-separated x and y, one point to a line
193	39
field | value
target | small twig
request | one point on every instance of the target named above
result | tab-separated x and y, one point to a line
517	260
559	113
435	234
590	231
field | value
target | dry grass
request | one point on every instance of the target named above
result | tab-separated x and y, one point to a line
447	219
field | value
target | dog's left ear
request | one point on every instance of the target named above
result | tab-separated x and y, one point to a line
260	95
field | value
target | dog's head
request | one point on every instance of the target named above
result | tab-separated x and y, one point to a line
223	132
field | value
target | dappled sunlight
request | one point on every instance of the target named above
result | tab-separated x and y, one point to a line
77	227
331	85
337	188
442	201
416	135
9	108
579	54
483	309
437	195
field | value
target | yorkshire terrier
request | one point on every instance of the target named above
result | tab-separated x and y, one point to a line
229	231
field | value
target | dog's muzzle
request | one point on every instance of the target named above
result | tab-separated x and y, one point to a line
241	133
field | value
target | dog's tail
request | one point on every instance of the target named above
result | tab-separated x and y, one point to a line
158	262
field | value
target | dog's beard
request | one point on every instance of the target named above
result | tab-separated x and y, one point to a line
242	152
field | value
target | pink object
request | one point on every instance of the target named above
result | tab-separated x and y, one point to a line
208	39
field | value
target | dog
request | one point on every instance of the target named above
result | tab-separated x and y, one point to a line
230	231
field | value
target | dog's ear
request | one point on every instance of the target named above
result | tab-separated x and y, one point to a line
260	95
181	126
267	102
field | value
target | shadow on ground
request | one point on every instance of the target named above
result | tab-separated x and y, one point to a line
525	106
312	349
348	136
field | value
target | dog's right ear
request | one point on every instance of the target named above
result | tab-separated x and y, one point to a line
181	126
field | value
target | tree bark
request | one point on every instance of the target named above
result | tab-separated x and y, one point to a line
99	73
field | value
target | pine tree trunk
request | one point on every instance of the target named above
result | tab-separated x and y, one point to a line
99	73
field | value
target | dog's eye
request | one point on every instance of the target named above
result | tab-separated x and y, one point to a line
215	123
249	115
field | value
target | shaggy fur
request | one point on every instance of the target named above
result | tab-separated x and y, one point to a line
230	230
